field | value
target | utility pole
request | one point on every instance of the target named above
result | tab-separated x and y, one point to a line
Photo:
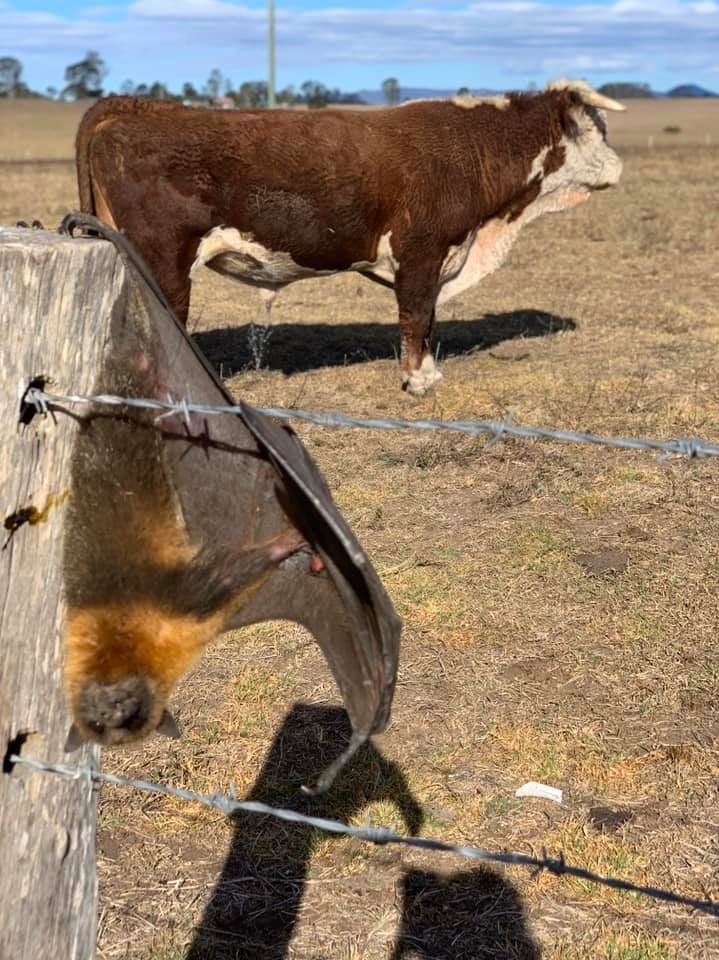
271	102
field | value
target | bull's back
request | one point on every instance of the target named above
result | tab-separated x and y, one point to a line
327	146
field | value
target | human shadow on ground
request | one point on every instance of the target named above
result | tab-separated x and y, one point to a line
254	907
469	915
294	347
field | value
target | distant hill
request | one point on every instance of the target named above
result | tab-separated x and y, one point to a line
619	91
690	90
376	97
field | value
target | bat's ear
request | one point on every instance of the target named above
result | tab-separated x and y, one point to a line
168	726
74	739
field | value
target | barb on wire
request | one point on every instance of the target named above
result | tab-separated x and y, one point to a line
228	805
692	447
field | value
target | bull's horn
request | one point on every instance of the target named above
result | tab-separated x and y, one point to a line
588	94
594	99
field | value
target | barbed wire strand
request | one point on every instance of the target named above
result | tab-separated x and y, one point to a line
229	805
691	447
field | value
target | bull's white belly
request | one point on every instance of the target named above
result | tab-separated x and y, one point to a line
239	256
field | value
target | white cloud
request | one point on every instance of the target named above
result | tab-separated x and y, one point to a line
98	12
518	37
519	34
193	10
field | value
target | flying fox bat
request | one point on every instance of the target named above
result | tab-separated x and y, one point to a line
187	525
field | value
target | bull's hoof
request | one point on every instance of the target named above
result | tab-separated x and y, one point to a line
420	381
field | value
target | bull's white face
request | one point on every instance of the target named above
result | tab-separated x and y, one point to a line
590	163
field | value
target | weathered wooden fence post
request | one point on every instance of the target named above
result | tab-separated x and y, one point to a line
57	296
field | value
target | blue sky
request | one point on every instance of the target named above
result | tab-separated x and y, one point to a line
498	44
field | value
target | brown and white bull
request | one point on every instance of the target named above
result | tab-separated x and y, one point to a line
427	197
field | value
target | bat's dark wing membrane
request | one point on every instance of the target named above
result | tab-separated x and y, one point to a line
347	610
240	480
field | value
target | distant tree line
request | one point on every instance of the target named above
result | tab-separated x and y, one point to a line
84	80
626	91
11	83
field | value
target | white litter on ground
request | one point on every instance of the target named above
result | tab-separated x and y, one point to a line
534	789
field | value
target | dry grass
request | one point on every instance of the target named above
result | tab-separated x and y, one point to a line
560	605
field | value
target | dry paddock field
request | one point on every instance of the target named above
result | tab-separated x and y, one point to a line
560	602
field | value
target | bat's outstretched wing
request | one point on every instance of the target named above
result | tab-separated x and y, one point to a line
347	609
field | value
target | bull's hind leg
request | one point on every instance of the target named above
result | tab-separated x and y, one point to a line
164	229
170	265
168	258
416	290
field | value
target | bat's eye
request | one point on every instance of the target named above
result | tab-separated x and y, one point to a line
96	727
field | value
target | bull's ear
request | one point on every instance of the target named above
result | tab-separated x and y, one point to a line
74	739
168	726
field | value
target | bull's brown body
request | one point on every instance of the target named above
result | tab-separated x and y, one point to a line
427	197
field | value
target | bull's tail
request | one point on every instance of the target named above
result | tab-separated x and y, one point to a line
82	163
102	110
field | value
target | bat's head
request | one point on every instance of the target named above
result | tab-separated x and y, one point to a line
120	712
122	665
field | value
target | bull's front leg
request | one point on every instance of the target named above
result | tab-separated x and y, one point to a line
416	288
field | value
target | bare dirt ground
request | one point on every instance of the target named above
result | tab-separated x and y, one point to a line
560	605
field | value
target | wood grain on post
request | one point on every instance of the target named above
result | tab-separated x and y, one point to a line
57	296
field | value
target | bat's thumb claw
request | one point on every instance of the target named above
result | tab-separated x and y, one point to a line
286	543
327	777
